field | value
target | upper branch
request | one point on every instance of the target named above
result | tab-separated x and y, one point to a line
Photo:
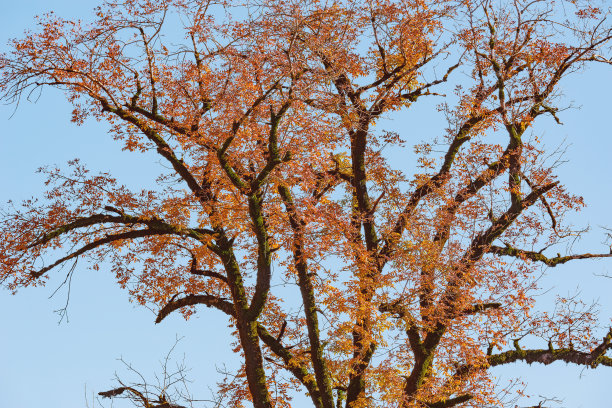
162	146
548	356
155	226
98	219
435	181
509	250
481	243
97	243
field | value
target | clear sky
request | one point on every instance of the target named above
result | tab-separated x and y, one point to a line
44	363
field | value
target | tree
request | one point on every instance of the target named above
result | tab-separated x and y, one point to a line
343	276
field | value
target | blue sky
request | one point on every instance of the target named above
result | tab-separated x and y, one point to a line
51	364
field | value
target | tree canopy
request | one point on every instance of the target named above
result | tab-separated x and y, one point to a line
347	272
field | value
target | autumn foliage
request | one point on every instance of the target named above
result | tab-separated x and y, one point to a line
347	276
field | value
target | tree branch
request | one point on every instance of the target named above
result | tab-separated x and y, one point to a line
162	146
191	300
95	244
121	390
291	364
550	356
451	402
96	219
211	274
308	298
481	307
509	250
